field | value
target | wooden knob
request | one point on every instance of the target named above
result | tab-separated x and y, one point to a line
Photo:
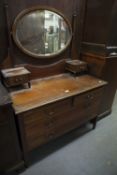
51	113
51	135
16	80
21	78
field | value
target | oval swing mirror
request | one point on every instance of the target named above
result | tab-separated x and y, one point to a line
41	32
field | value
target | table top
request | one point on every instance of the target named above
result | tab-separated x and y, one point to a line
52	89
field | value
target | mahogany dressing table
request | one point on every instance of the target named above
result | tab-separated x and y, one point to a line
58	101
54	106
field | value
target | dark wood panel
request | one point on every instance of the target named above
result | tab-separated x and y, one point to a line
46	71
94	48
100	27
99	46
104	68
97	20
95	63
112	38
3	33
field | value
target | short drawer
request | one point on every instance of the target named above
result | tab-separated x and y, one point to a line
58	107
16	80
88	99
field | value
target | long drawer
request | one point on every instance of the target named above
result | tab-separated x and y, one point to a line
88	99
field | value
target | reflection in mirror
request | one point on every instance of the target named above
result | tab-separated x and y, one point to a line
42	33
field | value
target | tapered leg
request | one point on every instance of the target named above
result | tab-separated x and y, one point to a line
94	122
29	84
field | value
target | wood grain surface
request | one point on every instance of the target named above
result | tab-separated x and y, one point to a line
48	90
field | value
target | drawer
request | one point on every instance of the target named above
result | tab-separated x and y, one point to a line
88	99
33	116
73	119
35	141
33	125
37	128
58	107
16	80
65	122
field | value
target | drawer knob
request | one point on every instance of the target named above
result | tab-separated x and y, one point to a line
51	135
90	97
21	78
87	105
82	68
16	80
50	124
51	113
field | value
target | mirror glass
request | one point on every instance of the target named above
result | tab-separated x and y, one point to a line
42	33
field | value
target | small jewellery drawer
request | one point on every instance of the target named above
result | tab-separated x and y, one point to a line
16	80
15	76
88	99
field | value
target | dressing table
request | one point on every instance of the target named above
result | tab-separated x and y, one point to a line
55	106
43	39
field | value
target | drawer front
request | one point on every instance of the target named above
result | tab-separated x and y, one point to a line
72	119
64	123
88	100
58	107
17	80
35	130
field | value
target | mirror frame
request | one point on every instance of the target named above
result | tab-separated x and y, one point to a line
32	9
